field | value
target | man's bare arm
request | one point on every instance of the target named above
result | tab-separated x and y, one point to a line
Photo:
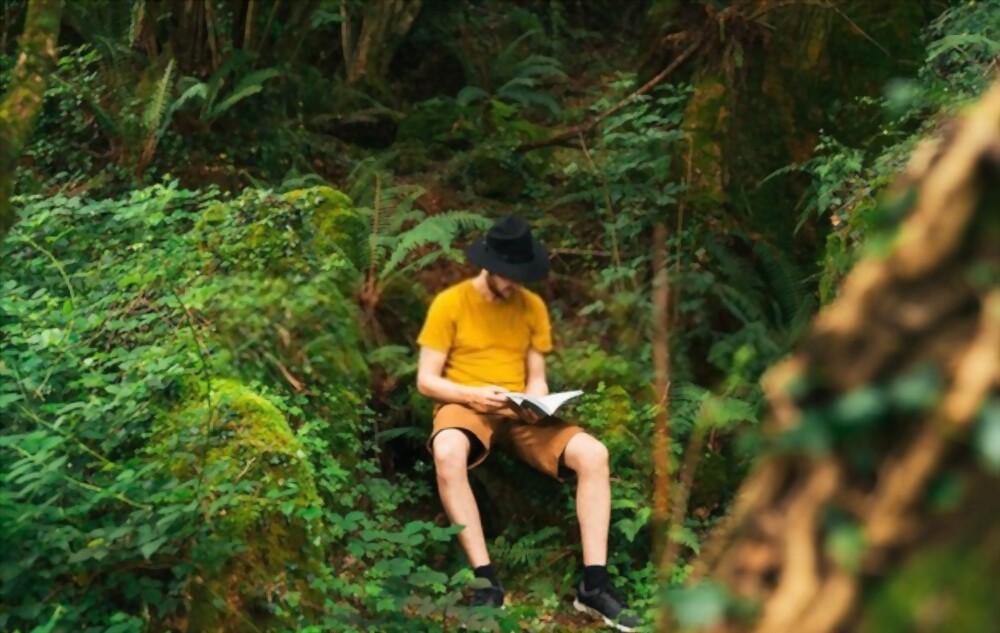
431	383
536	384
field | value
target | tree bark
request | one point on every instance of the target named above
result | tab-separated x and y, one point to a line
23	100
925	316
661	371
369	41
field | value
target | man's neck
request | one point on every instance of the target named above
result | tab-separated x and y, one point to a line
483	288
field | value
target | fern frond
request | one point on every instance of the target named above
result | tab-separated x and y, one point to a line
469	95
539	66
506	58
196	90
157	106
686	392
718	412
440	230
249	85
135	25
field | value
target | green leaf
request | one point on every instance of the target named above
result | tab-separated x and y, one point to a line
150	548
986	436
6	399
427	577
250	85
701	606
469	95
393	567
860	408
846	546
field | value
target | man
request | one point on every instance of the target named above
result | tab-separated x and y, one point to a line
485	336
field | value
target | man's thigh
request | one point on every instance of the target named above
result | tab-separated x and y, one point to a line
543	443
479	427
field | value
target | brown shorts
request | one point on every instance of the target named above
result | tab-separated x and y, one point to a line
540	444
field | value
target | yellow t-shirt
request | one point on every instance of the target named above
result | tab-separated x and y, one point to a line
487	342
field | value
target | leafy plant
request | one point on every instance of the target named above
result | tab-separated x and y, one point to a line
212	94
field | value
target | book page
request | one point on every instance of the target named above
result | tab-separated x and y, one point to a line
546	405
553	401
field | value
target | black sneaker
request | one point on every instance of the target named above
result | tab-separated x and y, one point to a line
607	604
491	597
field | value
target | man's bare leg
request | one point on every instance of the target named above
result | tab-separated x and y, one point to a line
451	458
589	458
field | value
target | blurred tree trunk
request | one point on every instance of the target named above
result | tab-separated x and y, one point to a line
23	100
875	411
370	35
661	370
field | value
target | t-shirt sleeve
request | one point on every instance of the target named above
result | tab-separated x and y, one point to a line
439	327
541	328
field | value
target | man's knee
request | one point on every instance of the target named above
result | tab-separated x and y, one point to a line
451	451
586	453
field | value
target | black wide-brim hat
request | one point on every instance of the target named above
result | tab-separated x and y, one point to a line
511	251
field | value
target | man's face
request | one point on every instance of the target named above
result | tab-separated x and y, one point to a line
501	287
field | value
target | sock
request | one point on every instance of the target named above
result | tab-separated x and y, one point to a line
487	572
595	577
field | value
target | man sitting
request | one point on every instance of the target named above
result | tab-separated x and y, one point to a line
486	336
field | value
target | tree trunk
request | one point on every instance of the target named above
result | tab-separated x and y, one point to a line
878	407
369	41
661	370
23	100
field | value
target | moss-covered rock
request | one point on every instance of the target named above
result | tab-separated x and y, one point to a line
278	290
263	485
337	228
299	231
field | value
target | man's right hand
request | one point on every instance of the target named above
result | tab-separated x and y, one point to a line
486	399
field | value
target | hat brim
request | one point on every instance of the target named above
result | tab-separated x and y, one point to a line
526	272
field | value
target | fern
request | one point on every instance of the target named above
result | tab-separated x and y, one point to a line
153	117
439	230
507	58
249	85
520	78
210	92
686	537
529	551
135	23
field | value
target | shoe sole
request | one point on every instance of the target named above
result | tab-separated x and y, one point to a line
582	608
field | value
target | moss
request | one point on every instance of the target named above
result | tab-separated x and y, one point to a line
301	231
280	293
21	103
244	442
335	224
946	589
705	119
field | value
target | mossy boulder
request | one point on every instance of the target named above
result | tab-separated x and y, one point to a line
279	290
295	232
262	482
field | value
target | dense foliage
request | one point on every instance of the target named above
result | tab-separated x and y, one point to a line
232	218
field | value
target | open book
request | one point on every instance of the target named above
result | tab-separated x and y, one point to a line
533	407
